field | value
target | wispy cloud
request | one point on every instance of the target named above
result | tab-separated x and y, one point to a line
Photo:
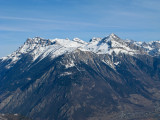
45	20
15	29
54	21
27	19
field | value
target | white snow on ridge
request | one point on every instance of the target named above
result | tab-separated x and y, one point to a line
150	46
40	48
109	45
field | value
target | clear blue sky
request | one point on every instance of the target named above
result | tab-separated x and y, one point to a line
134	19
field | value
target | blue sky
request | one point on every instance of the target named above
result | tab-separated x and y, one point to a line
21	19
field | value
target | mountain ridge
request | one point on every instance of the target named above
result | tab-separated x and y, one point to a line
106	78
107	45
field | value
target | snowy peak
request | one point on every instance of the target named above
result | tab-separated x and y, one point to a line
79	41
40	48
33	40
109	39
110	44
152	48
113	36
105	43
38	41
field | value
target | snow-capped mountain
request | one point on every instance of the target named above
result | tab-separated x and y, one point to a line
60	79
40	48
152	48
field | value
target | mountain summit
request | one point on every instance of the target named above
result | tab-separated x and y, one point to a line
113	36
60	79
40	48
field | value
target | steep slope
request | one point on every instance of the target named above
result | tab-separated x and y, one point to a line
58	79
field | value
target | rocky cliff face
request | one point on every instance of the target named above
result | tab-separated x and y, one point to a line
109	78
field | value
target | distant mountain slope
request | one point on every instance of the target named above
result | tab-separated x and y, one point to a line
61	79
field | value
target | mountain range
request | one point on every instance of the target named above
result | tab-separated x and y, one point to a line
60	79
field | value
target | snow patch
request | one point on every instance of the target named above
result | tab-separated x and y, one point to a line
65	74
29	79
116	63
69	65
109	63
